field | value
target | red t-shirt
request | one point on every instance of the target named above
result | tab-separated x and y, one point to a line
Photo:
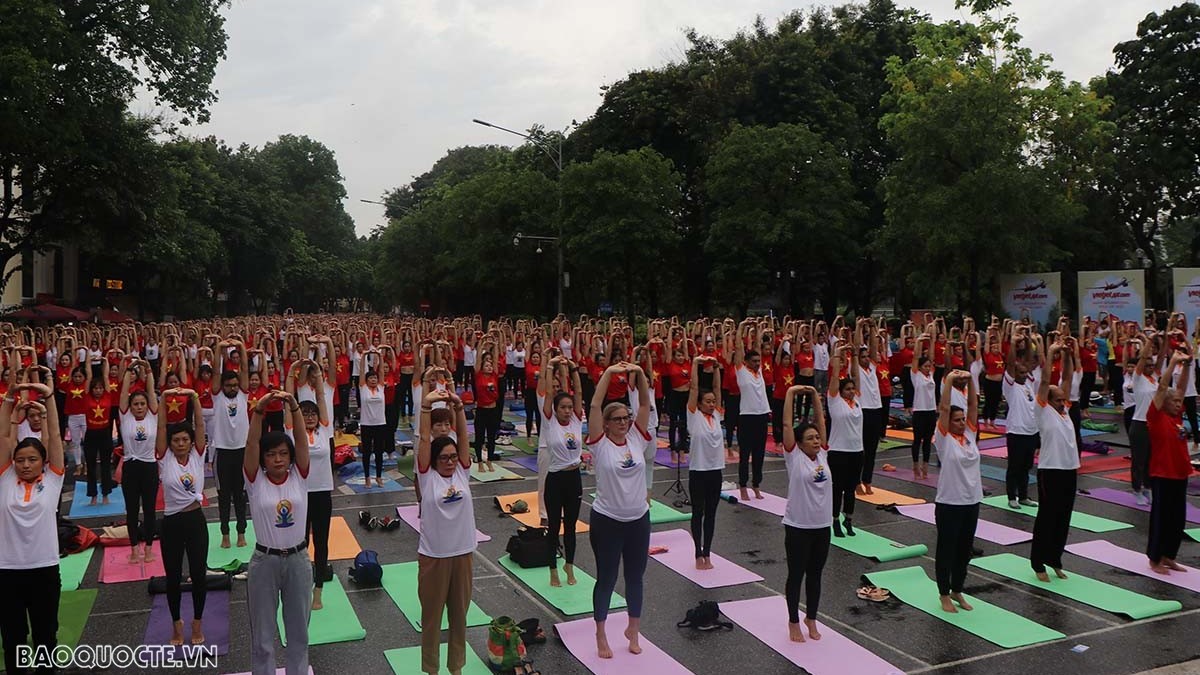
884	373
253	397
784	378
62	377
532	375
98	411
405	359
204	389
75	404
618	387
1168	445
389	388
1087	358
804	360
679	375
487	389
993	364
342	364
175	406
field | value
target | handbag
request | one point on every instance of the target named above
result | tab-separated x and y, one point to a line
705	616
531	547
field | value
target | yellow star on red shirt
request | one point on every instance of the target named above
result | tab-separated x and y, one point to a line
64	378
112	386
787	379
174	405
339	367
98	411
76	393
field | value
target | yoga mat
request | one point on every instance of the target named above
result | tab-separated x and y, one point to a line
81	509
1193	533
1128	499
882	496
663	443
1104	463
890	443
526	445
834	654
405	465
283	671
681	558
219	557
569	600
400	583
528	462
1079	520
985	529
1126	477
72	568
74	608
999	626
579	636
342	543
907	435
357	483
906	474
408	513
531	518
215	622
408	661
661	513
992	443
1134	561
1098	594
871	545
500	473
663	458
159	505
773	504
998	473
115	567
335	622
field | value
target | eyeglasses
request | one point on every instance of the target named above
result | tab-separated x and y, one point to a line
623	419
447	458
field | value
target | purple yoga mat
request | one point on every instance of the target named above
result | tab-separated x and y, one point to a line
770	503
833	654
986	529
525	461
906	474
409	515
215	621
991	443
681	558
663	458
1133	561
1128	499
579	636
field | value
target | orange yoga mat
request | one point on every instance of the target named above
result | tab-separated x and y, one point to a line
882	496
342	543
531	517
907	435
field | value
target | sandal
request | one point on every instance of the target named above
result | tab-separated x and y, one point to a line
873	593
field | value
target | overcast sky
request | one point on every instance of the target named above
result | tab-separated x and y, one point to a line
391	85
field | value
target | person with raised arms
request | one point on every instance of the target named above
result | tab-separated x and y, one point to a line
959	491
704	417
561	443
809	512
845	436
228	432
1169	465
139	468
319	431
754	413
1058	464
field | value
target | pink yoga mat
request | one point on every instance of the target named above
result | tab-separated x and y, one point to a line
681	558
115	567
906	474
1128	499
986	529
409	515
990	443
833	654
1133	561
770	503
662	457
579	636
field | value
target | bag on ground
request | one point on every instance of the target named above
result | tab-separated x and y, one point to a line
367	570
531	547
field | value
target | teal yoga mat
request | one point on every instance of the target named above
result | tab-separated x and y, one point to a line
1082	521
408	661
400	583
335	622
871	545
569	600
74	567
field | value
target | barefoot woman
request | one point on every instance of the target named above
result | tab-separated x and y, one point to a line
809	512
959	491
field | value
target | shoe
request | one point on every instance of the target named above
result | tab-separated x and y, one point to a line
1149	497
849	528
1027	502
389	524
366	520
242	576
837	529
1141	500
1014	504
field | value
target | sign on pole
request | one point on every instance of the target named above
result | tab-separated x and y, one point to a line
1121	293
1187	292
1037	296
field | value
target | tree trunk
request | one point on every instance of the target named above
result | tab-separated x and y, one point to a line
973	263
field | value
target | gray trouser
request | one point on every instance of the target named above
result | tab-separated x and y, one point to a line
273	578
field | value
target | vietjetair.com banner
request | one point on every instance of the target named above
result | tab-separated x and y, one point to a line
1036	296
1121	293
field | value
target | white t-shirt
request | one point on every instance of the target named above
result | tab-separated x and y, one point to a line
151	351
846	425
230	422
139	436
305	392
924	390
959	483
1076	382
371	406
447	513
1129	400
958	397
563	442
621	476
28	529
820	356
707	440
1021	418
182	484
868	387
1191	383
810	491
1058	438
25	430
515	358
468	355
1144	389
279	511
754	391
565	346
320	459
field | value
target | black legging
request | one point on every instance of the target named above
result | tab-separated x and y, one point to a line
533	418
231	488
185	533
846	468
705	488
320	508
29	608
1168	517
98	448
614	542
1086	384
341	409
1056	501
139	487
487	427
777	420
733	407
273	421
374	442
807	550
391	416
752	448
874	424
992	391
405	394
677	434
909	391
955	539
1021	448
1116	382
924	423
564	494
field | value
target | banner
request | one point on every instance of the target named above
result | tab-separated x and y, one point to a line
1034	295
1121	293
1187	292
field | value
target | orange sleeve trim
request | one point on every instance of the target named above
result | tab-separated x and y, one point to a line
973	427
6	467
58	471
691	408
942	430
1041	402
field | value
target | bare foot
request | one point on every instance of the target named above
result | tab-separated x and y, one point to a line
554	578
743	493
948	606
870	492
1159	568
812	629
92	502
602	648
177	633
962	602
757	493
631	634
317	599
700	563
490	467
148	554
197	632
241	542
1043	577
794	632
224	541
105	500
708	563
1059	573
570	569
135	558
1171	564
859	489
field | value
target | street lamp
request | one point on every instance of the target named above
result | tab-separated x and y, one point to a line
517	242
557	158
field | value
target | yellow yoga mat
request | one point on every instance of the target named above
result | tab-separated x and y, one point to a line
342	543
882	496
531	518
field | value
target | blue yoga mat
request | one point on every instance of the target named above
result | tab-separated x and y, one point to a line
81	509
998	473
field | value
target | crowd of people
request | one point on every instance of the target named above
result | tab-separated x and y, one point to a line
259	399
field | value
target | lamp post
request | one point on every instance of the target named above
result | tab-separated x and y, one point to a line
555	156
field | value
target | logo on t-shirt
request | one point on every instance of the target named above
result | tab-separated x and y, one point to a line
452	494
283	514
628	462
40	487
188	482
570	440
232	409
819	474
139	434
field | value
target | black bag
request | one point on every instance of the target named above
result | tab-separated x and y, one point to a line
531	547
706	616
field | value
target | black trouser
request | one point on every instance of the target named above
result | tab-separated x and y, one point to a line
1139	454
955	539
185	533
1168	516
1056	501
938	373
29	605
320	508
516	378
468	373
1020	460
993	390
487	427
1189	406
777	421
1128	417
1075	413
564	494
98	448
375	442
924	423
391	416
805	404
1086	384
60	401
807	550
139	487
733	404
273	421
705	488
874	423
533	416
752	447
589	391
231	487
846	468
460	375
909	391
677	434
341	409
406	394
1116	382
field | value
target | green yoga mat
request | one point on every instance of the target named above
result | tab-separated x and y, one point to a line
890	443
405	465
74	608
500	473
569	600
73	568
220	557
871	545
335	622
661	513
1088	591
1193	533
400	583
408	660
528	446
1000	626
1079	520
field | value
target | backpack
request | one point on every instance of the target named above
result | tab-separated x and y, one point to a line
506	650
531	547
706	616
367	569
74	538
